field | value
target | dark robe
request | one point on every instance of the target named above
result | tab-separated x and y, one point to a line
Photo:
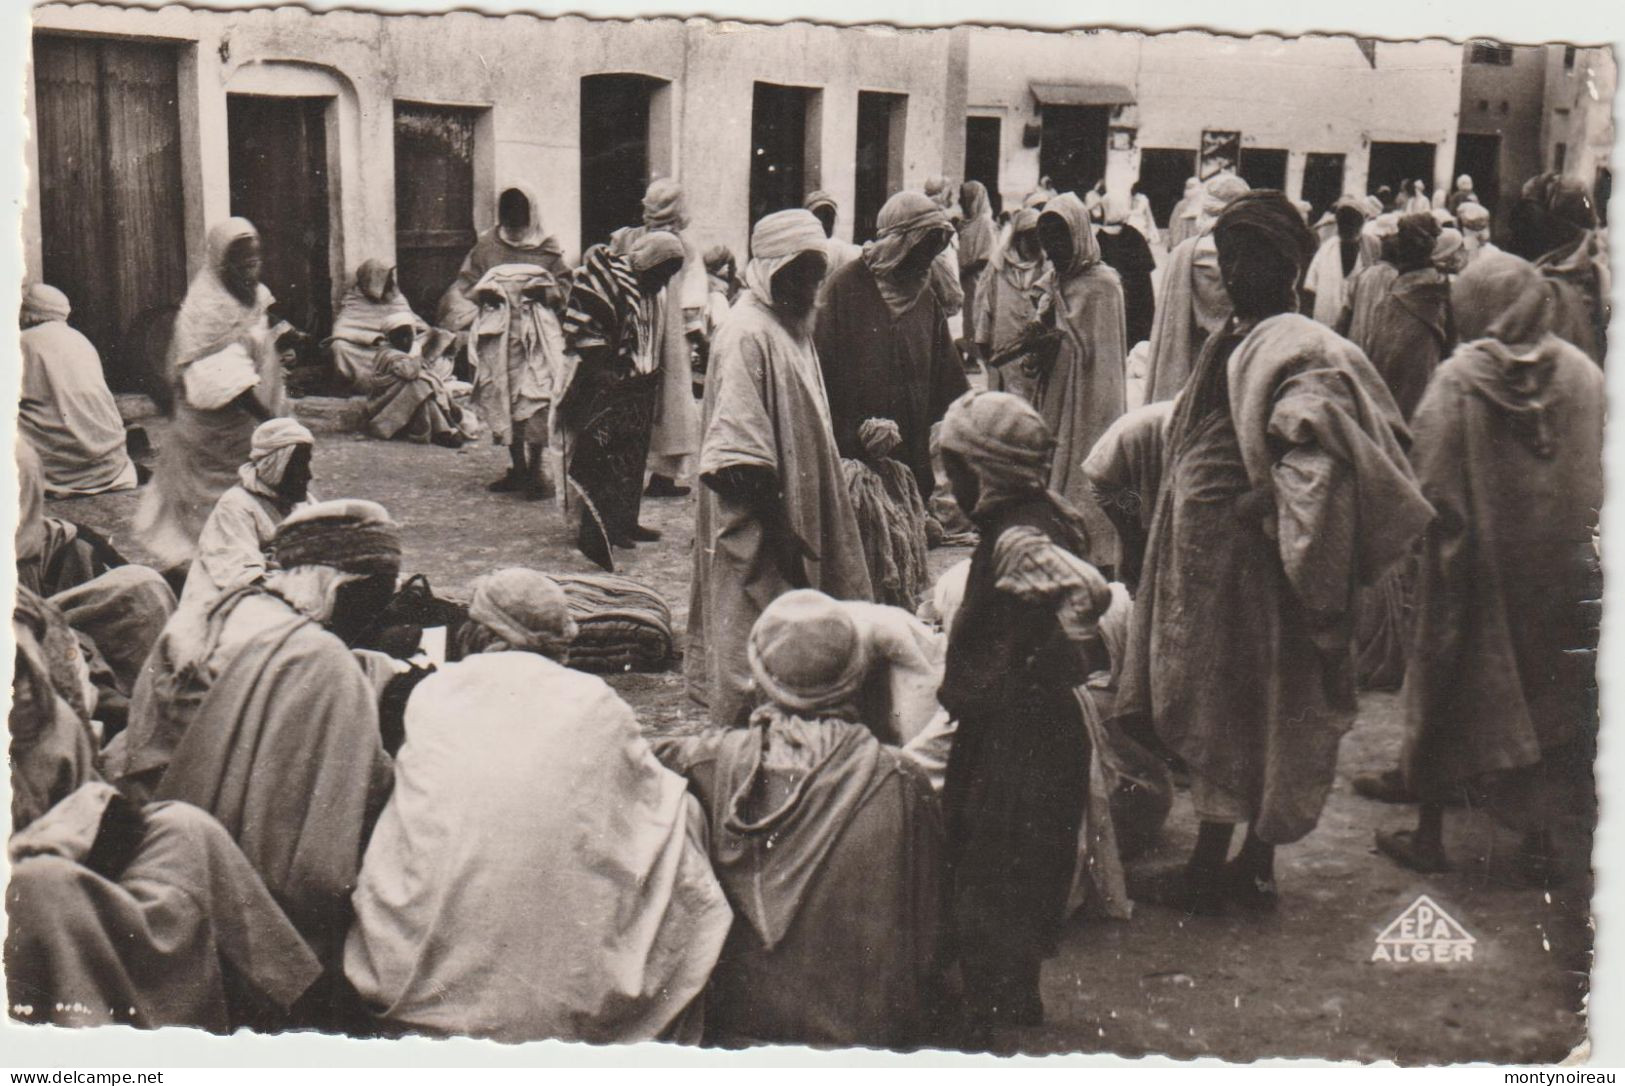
1403	323
1504	670
875	365
1127	252
833	876
1017	776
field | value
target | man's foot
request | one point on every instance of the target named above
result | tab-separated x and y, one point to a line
662	487
509	483
1247	890
640	534
1406	849
1385	787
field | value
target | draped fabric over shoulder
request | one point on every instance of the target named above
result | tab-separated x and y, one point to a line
367	306
1193	303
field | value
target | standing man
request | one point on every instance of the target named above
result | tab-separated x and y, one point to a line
1241	651
773	509
883	339
837	253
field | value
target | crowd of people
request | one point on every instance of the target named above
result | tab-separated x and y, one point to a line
1206	503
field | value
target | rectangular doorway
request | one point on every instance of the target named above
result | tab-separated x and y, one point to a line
1393	163
879	166
1322	182
778	148
1163	173
615	114
982	156
1263	167
1478	156
279	182
1072	146
434	199
112	213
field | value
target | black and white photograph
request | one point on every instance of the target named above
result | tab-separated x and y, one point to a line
918	536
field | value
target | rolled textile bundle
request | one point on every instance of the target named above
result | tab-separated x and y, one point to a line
621	625
891	521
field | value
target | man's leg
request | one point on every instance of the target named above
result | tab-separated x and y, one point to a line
515	478
1421	849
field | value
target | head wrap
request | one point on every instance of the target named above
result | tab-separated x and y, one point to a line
940	192
1071	213
1373	207
372	279
1464	183
1005	442
1024	220
1449	250
819	198
533	236
1269	215
42	302
905	220
1351	217
1115	209
1414	240
1220	192
1036	200
351	535
717	257
654	248
663	207
777	240
807	654
1472	215
1502	297
269	453
525	608
1442	216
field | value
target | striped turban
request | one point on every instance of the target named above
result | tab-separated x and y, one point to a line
351	535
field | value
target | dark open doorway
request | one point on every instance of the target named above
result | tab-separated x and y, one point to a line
1263	167
1072	147
778	148
1163	173
434	198
1394	163
111	214
982	156
879	162
1322	182
279	182
615	112
1478	155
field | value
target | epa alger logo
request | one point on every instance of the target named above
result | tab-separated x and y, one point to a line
1424	934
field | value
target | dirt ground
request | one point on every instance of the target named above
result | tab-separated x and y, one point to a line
1300	982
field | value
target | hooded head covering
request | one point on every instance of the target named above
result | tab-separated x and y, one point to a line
1473	215
807	654
663	207
906	220
212	316
42	303
778	239
270	450
373	280
653	248
1070	212
819	198
1449	251
940	192
1006	443
526	609
1269	215
1504	298
351	535
533	236
222	236
398	320
978	233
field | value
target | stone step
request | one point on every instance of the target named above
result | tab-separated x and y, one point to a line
322	414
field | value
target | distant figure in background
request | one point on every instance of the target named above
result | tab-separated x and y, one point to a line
1501	695
1463	192
1556	228
1450	252
1398	313
1416	202
517	238
1192	303
517	349
1182	221
1141	217
1475	230
67	411
978	237
883	339
227	380
409	400
1335	263
1385	196
1007	301
1305	209
722	287
674	437
1124	249
233	549
368	305
837	253
578	903
945	270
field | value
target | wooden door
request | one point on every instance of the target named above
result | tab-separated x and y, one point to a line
983	154
872	168
279	182
1072	148
111	205
1322	182
434	199
615	112
1163	173
1263	167
778	140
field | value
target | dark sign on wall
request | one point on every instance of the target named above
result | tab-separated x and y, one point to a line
1221	152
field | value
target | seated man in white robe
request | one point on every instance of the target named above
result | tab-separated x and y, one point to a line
67	412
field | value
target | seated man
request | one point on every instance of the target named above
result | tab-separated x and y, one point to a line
67	412
52	554
827	843
537	873
264	702
120	913
274	482
409	399
365	315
